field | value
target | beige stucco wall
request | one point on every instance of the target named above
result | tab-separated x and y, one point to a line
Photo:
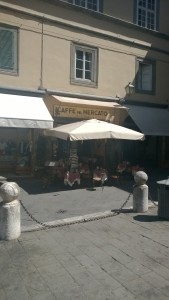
164	19
49	55
29	51
122	9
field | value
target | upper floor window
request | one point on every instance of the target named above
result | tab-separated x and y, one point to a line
96	5
8	49
145	77
84	65
147	13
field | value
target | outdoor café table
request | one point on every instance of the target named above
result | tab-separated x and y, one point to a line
71	178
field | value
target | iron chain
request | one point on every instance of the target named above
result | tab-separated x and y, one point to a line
46	226
30	215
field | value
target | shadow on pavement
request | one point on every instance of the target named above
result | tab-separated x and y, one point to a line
148	218
34	185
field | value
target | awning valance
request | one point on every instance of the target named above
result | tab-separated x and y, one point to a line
150	120
24	112
81	109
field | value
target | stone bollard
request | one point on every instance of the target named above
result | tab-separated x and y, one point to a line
10	227
140	192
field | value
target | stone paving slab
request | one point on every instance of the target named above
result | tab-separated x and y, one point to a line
123	256
117	258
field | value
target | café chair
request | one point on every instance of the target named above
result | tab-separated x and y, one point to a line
99	177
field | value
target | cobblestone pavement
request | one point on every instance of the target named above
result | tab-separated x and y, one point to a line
120	257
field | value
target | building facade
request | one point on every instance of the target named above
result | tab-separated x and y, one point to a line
74	53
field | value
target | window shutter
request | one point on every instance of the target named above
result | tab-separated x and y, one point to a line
6	49
100	5
147	77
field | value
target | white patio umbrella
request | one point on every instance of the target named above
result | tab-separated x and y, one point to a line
91	130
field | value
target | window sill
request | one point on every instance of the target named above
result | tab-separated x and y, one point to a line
84	83
9	72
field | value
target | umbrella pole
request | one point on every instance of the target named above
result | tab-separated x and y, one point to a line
92	173
104	158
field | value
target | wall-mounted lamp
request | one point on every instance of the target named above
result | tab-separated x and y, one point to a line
129	88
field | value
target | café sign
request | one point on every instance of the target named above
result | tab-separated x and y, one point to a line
80	112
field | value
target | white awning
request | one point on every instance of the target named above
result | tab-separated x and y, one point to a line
150	120
24	112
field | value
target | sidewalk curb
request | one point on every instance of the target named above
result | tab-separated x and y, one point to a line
78	219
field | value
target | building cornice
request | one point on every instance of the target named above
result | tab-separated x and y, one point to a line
109	18
43	92
64	23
